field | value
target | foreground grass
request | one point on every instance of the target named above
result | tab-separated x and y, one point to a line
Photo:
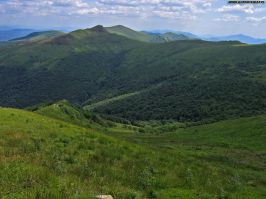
235	147
46	158
41	157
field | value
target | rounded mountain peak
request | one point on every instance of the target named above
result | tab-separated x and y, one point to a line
98	28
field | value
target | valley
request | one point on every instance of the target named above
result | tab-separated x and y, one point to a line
198	80
113	111
59	151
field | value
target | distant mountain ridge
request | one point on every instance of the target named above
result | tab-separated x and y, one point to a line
239	37
38	36
188	34
153	36
8	34
119	30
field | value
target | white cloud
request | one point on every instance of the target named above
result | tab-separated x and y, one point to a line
256	20
247	8
160	8
142	8
228	18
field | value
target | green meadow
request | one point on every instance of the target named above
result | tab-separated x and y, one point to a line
70	153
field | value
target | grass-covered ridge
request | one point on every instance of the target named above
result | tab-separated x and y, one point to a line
146	36
39	36
43	157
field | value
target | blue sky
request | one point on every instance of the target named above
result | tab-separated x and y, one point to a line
215	17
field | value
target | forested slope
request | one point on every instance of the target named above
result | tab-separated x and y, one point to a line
184	80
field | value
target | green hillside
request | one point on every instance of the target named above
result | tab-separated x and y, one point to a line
82	58
174	37
144	36
236	145
188	80
39	36
47	158
63	110
42	157
132	34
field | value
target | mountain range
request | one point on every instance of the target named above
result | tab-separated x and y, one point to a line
8	34
117	113
239	37
185	80
157	36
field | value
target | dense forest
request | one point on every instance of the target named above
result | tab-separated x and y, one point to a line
188	80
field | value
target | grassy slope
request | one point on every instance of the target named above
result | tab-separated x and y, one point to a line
244	133
63	110
131	34
146	37
235	146
48	158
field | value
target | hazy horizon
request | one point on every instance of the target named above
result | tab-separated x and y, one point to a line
201	17
69	29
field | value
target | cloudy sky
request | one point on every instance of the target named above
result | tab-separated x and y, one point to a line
197	16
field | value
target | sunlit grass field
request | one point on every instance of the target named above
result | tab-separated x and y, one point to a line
43	157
